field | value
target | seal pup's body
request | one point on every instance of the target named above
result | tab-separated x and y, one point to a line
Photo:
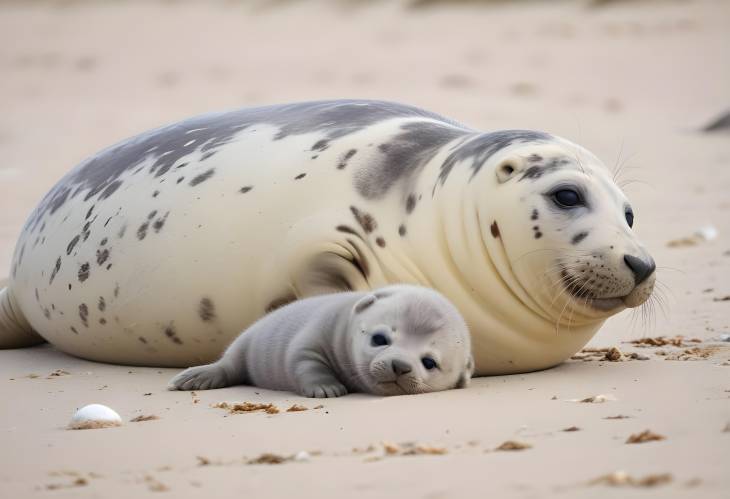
398	340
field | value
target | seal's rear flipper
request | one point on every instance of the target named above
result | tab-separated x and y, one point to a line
15	331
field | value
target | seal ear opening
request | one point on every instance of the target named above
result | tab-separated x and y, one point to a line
364	303
507	170
465	376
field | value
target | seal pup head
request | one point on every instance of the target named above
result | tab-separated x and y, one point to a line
560	232
408	339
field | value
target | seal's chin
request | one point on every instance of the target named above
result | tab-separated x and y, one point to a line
390	388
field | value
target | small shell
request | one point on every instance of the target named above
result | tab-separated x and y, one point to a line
94	416
708	233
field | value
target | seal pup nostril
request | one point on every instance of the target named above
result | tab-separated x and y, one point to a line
401	367
640	268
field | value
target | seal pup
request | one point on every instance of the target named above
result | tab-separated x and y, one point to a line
397	340
161	249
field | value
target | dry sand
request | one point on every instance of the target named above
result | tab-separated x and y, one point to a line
631	81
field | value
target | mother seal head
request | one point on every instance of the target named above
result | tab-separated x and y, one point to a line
161	249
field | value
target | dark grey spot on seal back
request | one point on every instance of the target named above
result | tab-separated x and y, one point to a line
320	145
410	203
160	223
202	177
579	237
535	215
365	220
102	255
84	271
88	214
155	194
380	242
206	310
402	230
494	229
172	335
102	304
180	179
244	190
55	270
142	231
348	155
207	155
300	176
152	215
84	314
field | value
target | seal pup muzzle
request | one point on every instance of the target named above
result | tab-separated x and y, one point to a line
397	340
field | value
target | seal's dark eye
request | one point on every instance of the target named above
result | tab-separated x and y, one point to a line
567	198
630	218
379	340
429	363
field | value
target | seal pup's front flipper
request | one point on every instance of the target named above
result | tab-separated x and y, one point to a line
316	380
15	331
207	377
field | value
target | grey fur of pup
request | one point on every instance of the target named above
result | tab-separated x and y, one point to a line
324	346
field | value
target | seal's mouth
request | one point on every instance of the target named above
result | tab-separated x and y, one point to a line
391	386
587	297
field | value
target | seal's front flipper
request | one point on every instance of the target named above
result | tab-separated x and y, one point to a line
321	256
205	377
15	331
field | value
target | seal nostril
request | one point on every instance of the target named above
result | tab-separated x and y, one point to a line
400	367
640	268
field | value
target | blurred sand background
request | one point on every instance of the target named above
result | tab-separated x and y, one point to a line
633	81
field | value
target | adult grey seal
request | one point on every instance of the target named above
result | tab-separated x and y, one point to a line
162	248
394	341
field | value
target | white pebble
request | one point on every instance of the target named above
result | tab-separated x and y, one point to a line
302	455
708	233
94	416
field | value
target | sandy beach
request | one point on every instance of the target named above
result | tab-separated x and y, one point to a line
634	82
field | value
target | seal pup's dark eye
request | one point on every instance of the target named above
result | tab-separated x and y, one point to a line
630	218
379	340
429	363
567	198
